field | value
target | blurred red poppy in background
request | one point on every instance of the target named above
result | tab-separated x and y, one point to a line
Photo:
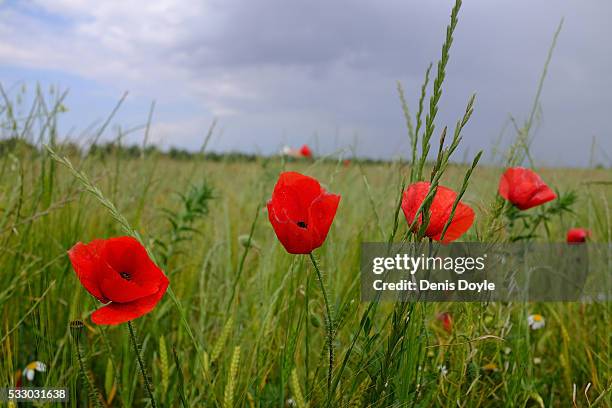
578	235
301	212
439	210
119	272
524	188
447	321
306	152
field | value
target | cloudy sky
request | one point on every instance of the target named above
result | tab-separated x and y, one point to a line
280	72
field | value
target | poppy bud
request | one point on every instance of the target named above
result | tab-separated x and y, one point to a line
577	235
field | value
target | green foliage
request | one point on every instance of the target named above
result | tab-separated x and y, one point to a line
193	205
524	225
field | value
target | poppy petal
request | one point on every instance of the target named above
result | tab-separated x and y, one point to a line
114	287
412	199
295	240
504	186
85	259
288	206
543	195
295	191
440	210
126	254
116	313
321	215
461	222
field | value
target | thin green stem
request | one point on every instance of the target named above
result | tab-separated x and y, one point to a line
242	259
330	329
143	369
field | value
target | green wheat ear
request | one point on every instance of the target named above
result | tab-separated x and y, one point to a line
228	399
358	398
296	390
437	90
218	347
163	365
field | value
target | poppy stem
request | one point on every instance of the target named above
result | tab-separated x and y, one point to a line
328	323
141	365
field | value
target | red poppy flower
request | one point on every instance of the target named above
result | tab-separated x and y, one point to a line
447	321
301	212
306	152
578	235
524	188
440	211
119	272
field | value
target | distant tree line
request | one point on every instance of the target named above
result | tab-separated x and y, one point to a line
20	146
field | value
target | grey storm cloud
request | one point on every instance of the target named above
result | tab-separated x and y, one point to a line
330	68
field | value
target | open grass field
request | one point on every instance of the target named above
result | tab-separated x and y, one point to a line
266	347
246	324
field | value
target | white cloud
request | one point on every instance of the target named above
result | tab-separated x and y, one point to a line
126	44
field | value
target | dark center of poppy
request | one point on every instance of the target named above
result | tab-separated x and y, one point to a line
125	276
302	224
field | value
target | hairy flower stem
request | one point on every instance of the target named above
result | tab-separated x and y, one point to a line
330	328
92	393
143	369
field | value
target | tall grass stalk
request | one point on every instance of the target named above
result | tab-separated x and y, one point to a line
419	119
437	89
245	252
521	147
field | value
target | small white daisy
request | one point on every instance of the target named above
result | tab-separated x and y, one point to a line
536	321
30	369
443	370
